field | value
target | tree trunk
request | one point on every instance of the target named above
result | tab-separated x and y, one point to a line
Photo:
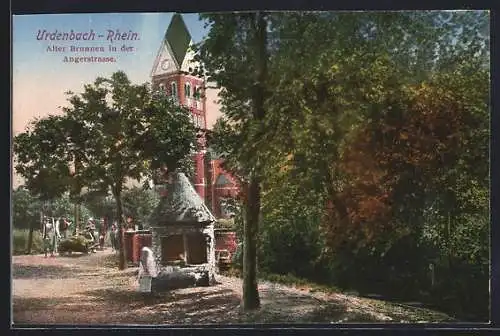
339	207
119	211
30	239
76	219
334	196
251	298
30	235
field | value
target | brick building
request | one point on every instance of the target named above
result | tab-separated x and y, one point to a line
171	74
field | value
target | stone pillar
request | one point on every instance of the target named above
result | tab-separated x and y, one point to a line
210	240
156	247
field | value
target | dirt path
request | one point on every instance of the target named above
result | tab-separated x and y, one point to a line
91	290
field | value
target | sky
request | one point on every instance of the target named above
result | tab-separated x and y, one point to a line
41	78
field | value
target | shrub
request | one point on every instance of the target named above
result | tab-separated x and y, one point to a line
225	223
75	244
290	242
25	209
140	204
237	258
20	242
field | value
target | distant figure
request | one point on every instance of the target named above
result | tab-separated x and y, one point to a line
90	230
91	234
147	270
51	236
115	236
63	225
130	224
102	233
47	231
55	238
112	237
94	227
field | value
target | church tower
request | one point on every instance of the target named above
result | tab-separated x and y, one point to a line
171	74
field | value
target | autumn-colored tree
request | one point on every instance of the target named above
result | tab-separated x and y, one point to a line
344	122
425	145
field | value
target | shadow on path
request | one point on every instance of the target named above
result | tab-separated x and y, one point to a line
43	271
21	305
202	305
73	255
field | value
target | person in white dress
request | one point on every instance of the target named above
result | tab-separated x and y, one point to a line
147	270
47	228
51	236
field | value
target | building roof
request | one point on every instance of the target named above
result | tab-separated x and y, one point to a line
181	205
178	37
175	53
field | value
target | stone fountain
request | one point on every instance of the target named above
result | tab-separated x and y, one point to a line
183	243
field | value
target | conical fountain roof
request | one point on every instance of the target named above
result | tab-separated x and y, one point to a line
181	205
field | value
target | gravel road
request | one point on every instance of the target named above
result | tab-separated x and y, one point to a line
89	289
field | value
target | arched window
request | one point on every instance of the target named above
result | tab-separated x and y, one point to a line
197	93
173	89
162	87
222	180
187	90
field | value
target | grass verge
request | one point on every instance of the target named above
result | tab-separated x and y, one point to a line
20	242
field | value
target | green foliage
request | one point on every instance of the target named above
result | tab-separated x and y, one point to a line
225	223
27	208
112	132
140	204
413	89
39	158
290	239
286	279
169	136
64	207
101	205
20	241
103	124
234	56
137	203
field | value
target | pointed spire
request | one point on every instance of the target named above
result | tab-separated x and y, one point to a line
178	37
181	205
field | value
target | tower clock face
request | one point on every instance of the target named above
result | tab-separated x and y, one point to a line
165	64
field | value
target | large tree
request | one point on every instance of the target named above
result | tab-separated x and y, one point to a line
234	56
425	148
328	69
113	132
355	82
37	160
329	75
